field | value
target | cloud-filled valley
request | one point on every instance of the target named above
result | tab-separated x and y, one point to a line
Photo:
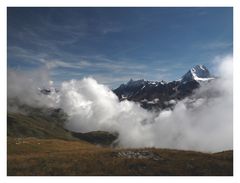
202	121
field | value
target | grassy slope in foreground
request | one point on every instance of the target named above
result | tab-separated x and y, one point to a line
32	156
39	145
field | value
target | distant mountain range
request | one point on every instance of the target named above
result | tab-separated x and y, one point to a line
161	94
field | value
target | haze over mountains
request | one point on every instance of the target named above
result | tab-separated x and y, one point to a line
156	94
182	114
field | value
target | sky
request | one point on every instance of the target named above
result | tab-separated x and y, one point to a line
113	45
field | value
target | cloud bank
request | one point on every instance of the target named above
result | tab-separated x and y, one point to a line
202	122
25	86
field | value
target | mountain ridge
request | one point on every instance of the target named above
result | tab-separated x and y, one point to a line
155	94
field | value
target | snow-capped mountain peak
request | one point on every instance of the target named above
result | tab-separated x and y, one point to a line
200	71
197	73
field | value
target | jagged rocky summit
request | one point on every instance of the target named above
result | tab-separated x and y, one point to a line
161	94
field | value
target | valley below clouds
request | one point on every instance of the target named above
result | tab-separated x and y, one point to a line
202	121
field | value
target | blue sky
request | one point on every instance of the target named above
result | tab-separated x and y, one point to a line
116	44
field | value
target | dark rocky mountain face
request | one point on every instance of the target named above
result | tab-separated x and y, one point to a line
160	94
156	95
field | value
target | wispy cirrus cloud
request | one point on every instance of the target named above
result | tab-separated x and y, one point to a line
73	61
103	69
117	43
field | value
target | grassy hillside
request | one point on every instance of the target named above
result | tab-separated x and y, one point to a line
40	126
32	156
49	123
39	145
97	137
